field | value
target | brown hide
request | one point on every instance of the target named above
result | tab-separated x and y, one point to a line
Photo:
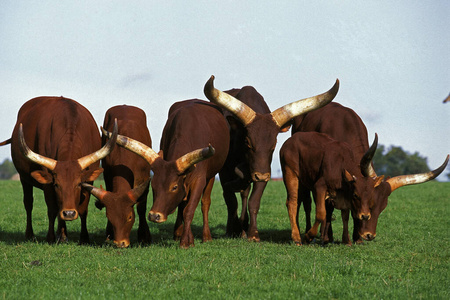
65	131
123	171
343	124
314	162
253	137
194	146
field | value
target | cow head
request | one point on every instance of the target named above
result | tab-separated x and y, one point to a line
66	176
119	209
262	129
382	191
169	180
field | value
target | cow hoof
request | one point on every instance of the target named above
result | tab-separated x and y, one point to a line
206	239
186	246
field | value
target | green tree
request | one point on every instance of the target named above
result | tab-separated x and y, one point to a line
395	161
7	169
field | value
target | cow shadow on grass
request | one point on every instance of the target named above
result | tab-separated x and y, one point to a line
162	236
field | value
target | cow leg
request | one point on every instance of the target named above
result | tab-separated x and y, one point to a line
144	235
83	212
243	219
28	204
206	204
187	238
233	225
319	197
292	204
61	232
356	227
178	228
327	230
345	213
304	195
253	207
52	213
109	231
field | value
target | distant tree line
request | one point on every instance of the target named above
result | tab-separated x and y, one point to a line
7	169
395	161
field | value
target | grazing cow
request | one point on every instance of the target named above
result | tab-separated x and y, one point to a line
344	125
182	172
254	130
313	161
127	178
64	152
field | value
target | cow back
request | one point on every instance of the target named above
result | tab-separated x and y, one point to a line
56	127
339	122
123	169
194	124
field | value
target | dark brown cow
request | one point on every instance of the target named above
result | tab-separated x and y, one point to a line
343	124
182	172
313	161
254	131
64	141
127	177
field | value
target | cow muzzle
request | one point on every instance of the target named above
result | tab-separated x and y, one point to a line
69	214
122	243
257	176
368	236
156	217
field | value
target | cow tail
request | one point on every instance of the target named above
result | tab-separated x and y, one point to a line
8	141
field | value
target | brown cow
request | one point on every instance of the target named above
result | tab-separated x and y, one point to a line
127	178
182	172
343	124
313	161
254	131
64	141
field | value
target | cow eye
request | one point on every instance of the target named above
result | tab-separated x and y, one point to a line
130	218
174	188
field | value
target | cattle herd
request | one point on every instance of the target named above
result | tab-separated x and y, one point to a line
56	147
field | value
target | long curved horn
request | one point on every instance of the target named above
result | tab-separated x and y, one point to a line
47	162
95	191
366	161
242	111
137	147
399	181
137	192
285	113
89	159
191	158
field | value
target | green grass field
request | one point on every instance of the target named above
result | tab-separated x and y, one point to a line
408	259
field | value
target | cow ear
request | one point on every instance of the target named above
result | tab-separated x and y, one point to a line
43	177
98	193
378	180
91	175
349	177
285	127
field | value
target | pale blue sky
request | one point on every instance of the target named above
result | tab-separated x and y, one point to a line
392	58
